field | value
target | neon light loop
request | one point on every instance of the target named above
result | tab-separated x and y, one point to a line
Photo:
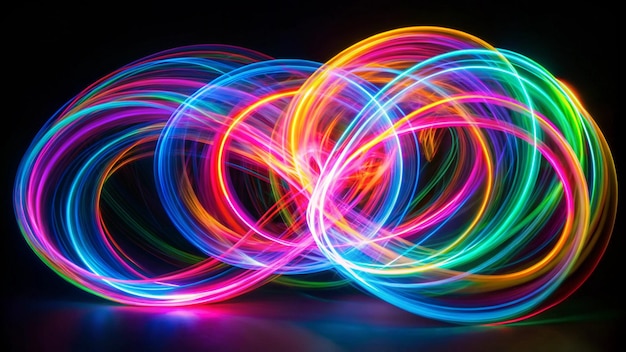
452	179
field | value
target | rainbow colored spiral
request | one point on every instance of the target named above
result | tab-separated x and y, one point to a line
457	181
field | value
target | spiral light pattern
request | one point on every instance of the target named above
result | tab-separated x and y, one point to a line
452	179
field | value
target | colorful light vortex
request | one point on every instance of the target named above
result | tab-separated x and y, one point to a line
457	181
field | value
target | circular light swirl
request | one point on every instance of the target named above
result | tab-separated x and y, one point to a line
465	183
455	180
61	185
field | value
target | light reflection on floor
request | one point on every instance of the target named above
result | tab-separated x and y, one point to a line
291	323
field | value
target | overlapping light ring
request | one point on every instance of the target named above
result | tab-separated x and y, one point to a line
114	122
452	179
230	123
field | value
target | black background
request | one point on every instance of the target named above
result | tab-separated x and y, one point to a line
51	52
